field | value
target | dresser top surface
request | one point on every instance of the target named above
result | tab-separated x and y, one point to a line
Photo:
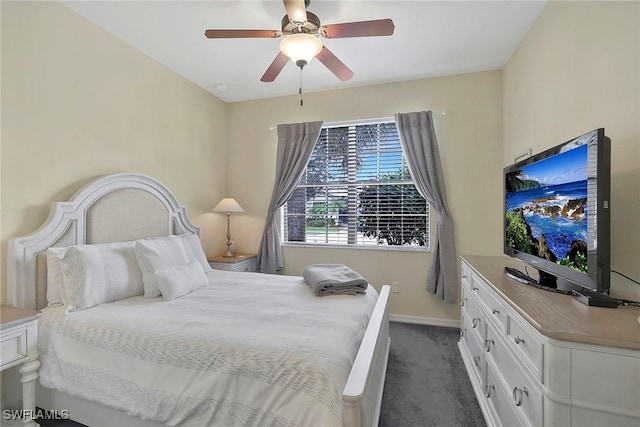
560	316
231	259
10	316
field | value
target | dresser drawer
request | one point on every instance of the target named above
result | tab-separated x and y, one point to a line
465	291
465	295
248	265
502	411
474	315
525	394
14	346
467	274
474	348
493	306
524	341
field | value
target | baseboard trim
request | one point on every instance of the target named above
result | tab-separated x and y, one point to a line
419	320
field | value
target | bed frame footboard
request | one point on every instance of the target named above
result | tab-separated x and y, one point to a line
362	395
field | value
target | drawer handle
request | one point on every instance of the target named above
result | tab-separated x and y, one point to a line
517	395
464	276
473	288
487	390
476	360
518	340
487	344
495	311
462	332
462	302
476	322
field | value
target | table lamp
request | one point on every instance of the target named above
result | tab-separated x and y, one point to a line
228	205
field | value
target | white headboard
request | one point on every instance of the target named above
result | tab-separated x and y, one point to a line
114	208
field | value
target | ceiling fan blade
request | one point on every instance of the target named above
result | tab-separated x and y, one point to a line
379	27
296	10
274	69
235	34
334	65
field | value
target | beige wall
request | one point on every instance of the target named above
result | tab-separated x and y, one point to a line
578	69
470	146
78	103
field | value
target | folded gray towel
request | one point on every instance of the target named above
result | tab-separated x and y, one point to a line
334	279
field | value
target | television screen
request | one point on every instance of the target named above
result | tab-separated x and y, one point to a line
552	214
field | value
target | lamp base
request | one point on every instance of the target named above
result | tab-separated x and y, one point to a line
229	254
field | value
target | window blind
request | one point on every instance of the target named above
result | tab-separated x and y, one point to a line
357	190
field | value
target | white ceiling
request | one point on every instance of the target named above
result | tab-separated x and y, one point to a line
431	38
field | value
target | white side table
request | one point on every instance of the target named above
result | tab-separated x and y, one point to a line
19	338
239	262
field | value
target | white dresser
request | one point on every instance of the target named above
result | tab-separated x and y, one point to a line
537	358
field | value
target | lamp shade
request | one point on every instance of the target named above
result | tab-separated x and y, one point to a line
301	48
228	204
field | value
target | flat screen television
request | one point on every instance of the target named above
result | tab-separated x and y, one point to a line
556	213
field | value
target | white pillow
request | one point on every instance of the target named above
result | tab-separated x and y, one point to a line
158	254
95	274
193	247
180	280
55	280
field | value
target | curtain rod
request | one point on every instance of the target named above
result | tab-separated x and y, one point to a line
435	113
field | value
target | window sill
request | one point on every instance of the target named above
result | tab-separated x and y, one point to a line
421	249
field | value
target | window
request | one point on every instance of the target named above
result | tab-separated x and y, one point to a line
357	191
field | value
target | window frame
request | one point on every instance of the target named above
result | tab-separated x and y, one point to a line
355	246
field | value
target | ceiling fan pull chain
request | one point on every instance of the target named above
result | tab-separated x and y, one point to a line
300	88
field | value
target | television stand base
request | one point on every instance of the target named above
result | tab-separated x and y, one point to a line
595	299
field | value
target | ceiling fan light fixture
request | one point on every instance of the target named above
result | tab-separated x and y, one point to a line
301	48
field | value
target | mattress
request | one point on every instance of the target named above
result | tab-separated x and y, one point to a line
248	349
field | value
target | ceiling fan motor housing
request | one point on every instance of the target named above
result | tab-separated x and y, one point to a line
311	25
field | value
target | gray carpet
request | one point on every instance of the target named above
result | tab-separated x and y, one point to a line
426	383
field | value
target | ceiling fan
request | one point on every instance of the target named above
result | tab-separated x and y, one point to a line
301	30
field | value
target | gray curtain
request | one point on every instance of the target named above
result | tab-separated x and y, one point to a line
295	145
420	147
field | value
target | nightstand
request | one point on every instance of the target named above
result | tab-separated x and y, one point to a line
239	262
19	338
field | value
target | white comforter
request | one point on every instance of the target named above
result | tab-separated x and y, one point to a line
249	349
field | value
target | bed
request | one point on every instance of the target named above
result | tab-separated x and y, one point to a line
327	369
